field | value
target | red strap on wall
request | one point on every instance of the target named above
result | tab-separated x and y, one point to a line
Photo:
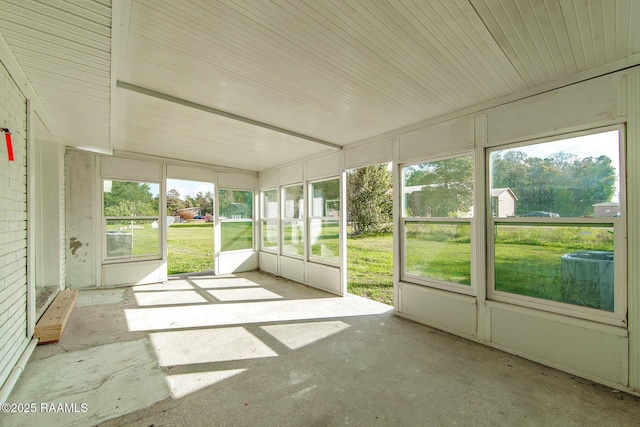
7	137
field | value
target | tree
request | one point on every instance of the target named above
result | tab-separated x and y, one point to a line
369	198
205	202
560	183
174	202
128	198
446	188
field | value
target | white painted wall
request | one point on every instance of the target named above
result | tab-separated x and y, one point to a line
13	227
82	224
50	212
602	352
84	252
593	350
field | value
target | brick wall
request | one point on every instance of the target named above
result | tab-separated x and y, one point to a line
13	227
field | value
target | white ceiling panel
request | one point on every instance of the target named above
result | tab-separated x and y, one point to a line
64	48
336	70
549	39
157	127
340	71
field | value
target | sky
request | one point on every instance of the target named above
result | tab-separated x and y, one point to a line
188	188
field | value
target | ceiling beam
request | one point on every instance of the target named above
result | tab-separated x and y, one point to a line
184	102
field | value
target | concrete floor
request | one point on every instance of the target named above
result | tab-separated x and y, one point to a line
255	350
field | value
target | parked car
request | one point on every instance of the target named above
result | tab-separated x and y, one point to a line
540	214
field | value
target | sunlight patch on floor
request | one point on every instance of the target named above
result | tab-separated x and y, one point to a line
298	335
207	346
184	384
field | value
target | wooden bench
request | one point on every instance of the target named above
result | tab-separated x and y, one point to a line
50	326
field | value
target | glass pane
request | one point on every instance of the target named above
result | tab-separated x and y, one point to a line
129	198
325	238
190	201
236	235
293	206
575	177
270	204
325	197
132	238
269	234
571	264
439	251
293	237
442	189
190	238
235	204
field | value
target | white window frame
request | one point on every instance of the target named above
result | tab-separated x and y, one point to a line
404	220
619	315
302	221
139	257
309	246
264	220
250	220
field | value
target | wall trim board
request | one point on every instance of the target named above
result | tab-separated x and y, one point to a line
565	369
176	162
448	311
588	104
268	262
324	277
589	349
292	268
559	318
633	226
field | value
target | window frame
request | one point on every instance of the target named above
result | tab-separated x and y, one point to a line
139	257
309	218
264	220
302	221
619	224
471	221
229	220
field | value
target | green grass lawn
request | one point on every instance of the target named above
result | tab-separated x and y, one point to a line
191	244
190	247
528	260
370	267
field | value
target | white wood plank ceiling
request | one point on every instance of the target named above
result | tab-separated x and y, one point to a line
339	71
64	48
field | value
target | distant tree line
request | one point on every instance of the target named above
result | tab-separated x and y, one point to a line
560	183
128	198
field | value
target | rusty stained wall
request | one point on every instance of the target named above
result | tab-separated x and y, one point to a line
82	223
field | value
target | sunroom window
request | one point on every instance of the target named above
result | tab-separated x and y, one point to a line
557	227
324	222
293	220
131	212
436	223
269	217
236	219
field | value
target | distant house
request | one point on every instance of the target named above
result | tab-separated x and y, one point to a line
503	202
196	211
235	211
607	209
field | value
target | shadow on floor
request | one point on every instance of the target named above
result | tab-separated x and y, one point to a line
253	349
